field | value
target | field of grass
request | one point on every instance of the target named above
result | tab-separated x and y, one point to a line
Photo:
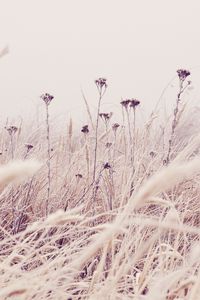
105	211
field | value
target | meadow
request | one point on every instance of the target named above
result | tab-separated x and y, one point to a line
109	210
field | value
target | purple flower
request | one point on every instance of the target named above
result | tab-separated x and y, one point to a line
105	116
85	129
125	103
183	74
28	147
47	98
101	82
134	103
11	129
115	126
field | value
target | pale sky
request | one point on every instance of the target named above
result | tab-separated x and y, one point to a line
59	46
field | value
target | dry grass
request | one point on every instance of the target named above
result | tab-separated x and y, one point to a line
139	239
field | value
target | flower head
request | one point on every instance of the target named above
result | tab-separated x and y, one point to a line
85	129
47	98
134	103
79	176
125	103
108	145
11	129
107	166
101	82
115	126
183	74
106	116
28	147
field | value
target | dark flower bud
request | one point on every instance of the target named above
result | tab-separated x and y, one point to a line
101	82
107	166
125	103
28	147
11	129
108	145
106	116
47	98
85	129
115	126
183	74
79	176
134	103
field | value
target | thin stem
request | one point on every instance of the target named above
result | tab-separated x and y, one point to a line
174	122
133	150
130	136
12	146
48	159
96	136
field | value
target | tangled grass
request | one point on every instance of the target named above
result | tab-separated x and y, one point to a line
123	210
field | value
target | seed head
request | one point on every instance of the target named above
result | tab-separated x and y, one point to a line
11	129
85	129
183	74
152	154
47	98
115	126
106	116
125	103
107	166
28	147
134	103
108	145
79	176
101	82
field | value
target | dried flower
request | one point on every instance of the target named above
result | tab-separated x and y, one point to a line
11	129
183	74
79	176
107	166
108	145
101	82
85	129
134	103
152	154
28	147
47	98
125	103
115	127
106	116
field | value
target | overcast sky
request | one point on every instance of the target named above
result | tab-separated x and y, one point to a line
61	46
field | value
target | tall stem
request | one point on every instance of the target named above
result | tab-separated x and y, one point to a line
174	122
96	136
48	159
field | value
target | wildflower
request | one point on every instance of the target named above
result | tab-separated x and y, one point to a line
125	103
47	98
11	129
28	147
107	166
85	129
134	103
79	176
106	116
100	83
183	74
115	127
152	154
108	145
